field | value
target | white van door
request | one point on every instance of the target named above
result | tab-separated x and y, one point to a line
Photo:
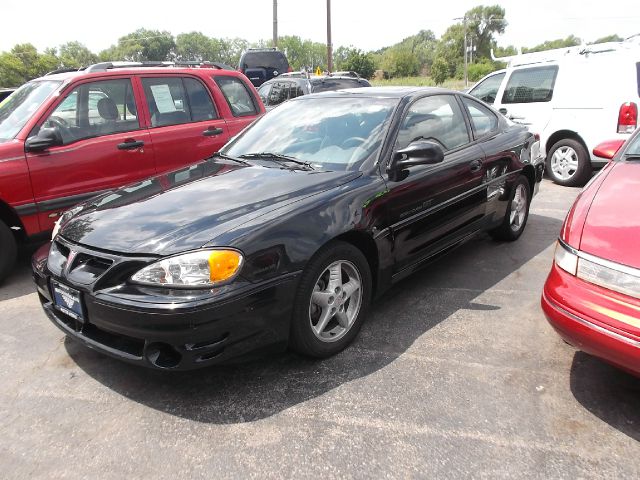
526	96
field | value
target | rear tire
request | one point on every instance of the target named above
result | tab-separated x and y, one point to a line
331	302
8	251
515	218
568	163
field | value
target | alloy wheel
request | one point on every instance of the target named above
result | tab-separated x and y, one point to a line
564	163
518	208
335	301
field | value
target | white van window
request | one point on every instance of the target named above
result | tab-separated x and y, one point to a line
530	85
487	89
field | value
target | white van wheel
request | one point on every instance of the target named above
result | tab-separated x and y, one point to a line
568	163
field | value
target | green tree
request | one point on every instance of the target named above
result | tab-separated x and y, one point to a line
450	48
142	45
400	62
439	70
482	24
230	49
609	38
570	41
357	61
75	55
12	72
195	46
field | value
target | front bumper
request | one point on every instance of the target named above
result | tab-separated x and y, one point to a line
575	309
170	329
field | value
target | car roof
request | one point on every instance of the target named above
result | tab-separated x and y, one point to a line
384	92
137	70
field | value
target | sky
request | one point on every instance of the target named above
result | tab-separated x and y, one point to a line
368	25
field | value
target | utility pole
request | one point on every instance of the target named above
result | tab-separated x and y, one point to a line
275	23
329	46
466	63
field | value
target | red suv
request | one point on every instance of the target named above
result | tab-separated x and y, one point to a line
68	136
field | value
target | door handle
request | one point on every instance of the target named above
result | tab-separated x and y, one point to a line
130	145
212	132
475	165
503	111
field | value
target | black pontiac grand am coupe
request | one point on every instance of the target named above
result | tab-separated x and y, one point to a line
284	236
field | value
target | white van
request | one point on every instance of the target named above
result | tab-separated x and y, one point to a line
574	98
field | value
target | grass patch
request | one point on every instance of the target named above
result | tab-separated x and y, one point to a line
453	84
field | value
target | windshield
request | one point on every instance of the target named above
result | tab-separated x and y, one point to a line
633	149
327	132
17	109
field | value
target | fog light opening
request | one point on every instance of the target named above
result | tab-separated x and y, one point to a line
163	355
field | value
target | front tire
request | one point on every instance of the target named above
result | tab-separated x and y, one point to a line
8	251
568	163
331	302
515	218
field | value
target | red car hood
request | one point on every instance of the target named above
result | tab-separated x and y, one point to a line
612	227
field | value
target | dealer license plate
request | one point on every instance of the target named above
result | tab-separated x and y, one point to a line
67	300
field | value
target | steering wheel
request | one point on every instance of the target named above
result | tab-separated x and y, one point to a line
59	122
352	142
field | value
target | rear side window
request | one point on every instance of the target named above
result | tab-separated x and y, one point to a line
263	91
484	121
531	85
237	95
167	101
487	90
436	118
279	93
199	101
329	84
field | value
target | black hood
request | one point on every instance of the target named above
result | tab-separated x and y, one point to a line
185	209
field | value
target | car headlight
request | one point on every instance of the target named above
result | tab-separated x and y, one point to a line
565	259
203	268
598	271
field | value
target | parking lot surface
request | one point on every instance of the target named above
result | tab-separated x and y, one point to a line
455	374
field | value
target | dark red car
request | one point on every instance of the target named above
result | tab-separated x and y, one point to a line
592	295
68	136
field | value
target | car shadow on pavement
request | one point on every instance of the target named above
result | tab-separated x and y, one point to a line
607	392
19	281
258	389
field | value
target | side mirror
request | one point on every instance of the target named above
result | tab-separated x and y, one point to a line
46	137
421	152
608	149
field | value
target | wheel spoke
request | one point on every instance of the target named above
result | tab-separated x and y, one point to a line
325	316
322	299
335	276
350	287
343	319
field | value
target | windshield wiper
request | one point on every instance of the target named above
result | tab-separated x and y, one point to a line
633	157
227	157
277	157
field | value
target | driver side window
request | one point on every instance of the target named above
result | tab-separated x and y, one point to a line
436	118
95	109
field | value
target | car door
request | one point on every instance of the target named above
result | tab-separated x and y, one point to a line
497	156
527	94
184	124
433	206
103	145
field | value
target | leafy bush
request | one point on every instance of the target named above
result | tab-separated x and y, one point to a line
476	71
439	70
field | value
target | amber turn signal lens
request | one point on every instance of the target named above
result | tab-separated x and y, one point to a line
223	264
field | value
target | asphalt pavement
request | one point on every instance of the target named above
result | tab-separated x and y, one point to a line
456	374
